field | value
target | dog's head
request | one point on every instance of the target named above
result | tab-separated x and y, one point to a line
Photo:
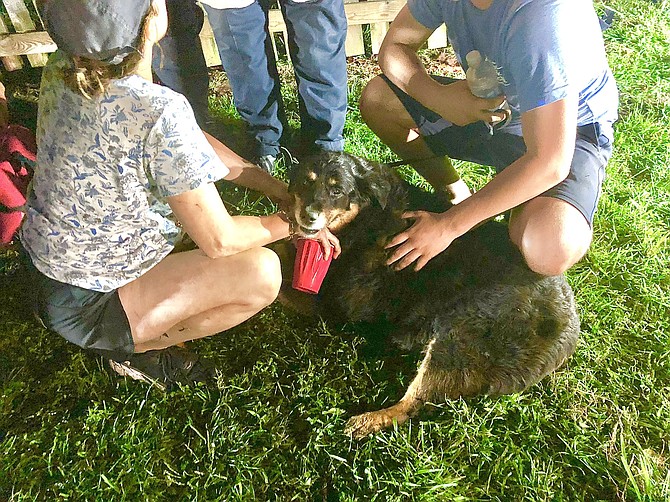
330	189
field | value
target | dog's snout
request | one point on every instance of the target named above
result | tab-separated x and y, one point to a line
312	213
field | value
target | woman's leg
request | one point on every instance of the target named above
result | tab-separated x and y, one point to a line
189	295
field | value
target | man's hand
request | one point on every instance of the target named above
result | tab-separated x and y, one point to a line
430	234
463	108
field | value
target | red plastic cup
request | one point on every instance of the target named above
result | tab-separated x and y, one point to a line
310	266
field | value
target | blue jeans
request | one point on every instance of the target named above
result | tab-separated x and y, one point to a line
179	62
316	31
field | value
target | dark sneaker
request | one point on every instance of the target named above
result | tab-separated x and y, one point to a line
165	368
267	163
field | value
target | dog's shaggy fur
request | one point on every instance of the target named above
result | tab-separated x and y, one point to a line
485	322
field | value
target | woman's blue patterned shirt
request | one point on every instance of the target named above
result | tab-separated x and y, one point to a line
97	216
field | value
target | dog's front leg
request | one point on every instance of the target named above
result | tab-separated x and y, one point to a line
416	395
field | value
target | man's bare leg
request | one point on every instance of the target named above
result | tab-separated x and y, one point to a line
552	234
383	112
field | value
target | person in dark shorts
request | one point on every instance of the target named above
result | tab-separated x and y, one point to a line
122	171
549	150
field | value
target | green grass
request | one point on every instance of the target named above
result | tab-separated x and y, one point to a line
599	429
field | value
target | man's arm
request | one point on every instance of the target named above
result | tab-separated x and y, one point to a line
399	61
549	134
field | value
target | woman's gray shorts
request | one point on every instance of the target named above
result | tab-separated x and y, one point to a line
92	320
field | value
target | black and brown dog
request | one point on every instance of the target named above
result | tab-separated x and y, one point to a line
485	322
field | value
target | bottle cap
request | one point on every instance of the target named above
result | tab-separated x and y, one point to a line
473	58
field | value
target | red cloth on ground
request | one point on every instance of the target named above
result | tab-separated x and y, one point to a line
17	151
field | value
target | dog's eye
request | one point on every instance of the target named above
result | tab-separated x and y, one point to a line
336	192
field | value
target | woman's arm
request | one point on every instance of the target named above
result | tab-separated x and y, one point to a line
203	216
249	175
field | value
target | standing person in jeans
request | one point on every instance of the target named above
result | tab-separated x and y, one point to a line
178	61
317	31
550	155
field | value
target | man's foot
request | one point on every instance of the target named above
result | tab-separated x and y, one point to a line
457	192
165	368
283	160
267	163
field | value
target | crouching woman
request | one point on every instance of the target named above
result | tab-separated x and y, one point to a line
121	166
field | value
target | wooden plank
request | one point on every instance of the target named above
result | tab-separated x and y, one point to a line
276	21
30	40
377	33
276	24
20	44
438	38
20	17
209	47
354	44
373	11
10	63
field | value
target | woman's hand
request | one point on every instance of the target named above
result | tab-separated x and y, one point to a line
329	243
430	234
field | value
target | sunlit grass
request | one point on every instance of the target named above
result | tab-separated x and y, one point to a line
598	429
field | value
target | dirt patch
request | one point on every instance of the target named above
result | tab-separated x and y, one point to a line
360	69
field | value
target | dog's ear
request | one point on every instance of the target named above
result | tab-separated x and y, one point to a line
373	181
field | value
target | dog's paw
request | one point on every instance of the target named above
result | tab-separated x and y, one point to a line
365	424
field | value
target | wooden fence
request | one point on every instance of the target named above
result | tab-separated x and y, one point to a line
23	40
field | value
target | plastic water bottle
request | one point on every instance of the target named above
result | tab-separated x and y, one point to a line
482	76
483	80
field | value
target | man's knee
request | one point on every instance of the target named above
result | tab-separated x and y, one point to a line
551	235
375	98
551	257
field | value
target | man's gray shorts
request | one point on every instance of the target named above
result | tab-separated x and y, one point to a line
474	143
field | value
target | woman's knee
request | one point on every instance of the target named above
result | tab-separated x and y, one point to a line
267	276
